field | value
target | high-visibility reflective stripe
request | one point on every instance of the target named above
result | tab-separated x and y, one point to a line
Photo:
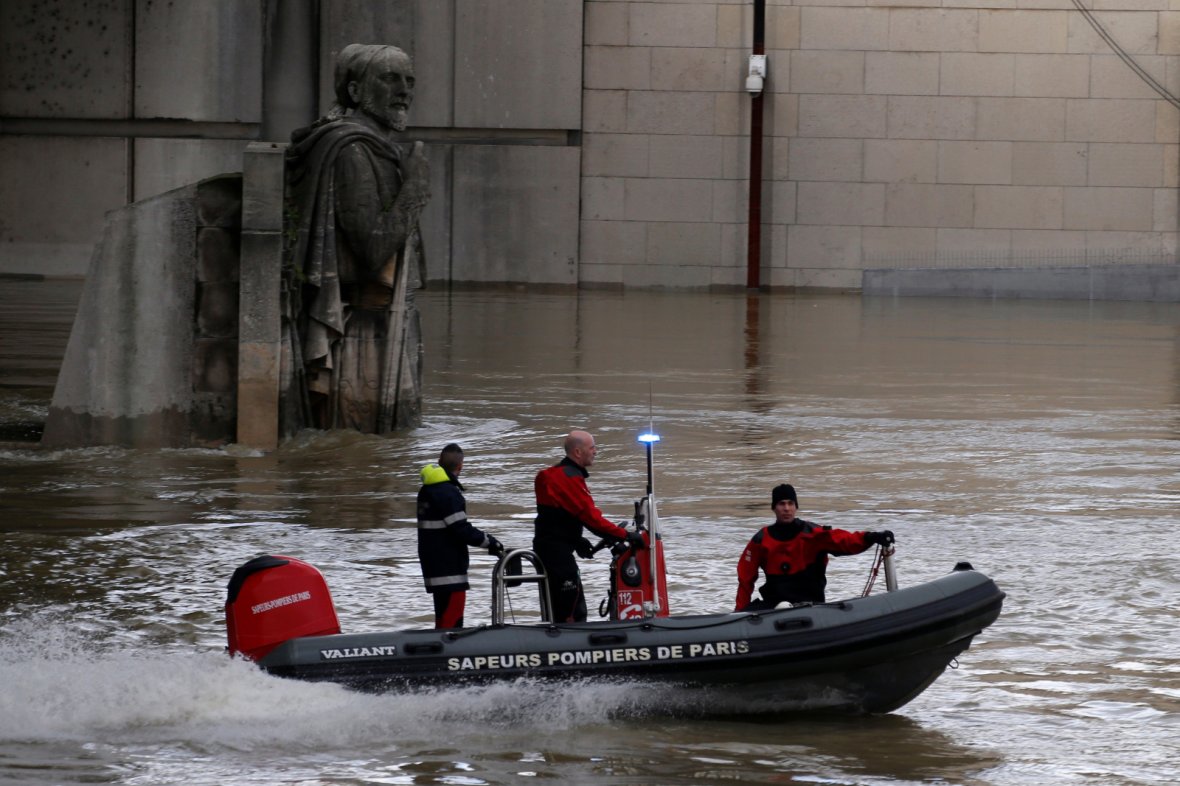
439	581
441	523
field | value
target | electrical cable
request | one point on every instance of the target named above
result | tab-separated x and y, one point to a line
1124	56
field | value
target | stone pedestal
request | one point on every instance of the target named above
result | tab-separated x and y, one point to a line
259	351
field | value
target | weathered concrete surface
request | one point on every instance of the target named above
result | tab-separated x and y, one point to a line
213	48
152	356
496	90
69	68
50	228
86	78
519	208
1152	283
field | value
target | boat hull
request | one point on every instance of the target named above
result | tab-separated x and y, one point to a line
870	654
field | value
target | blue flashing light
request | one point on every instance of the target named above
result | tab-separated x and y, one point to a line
649	437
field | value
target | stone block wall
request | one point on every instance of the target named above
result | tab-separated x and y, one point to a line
665	143
944	130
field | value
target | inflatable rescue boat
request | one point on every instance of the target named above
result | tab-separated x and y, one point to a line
868	654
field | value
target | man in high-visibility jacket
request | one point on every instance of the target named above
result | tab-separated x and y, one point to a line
564	507
444	533
793	554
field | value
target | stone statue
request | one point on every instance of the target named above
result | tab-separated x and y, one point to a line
352	340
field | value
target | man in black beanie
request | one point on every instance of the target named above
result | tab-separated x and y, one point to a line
793	554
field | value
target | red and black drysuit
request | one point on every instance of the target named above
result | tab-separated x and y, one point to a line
444	533
794	558
564	507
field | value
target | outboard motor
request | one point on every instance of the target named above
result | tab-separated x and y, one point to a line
275	598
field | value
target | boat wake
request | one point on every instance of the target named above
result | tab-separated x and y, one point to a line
65	684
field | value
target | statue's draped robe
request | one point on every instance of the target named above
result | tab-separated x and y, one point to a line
352	340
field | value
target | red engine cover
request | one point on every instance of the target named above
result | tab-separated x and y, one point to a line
275	598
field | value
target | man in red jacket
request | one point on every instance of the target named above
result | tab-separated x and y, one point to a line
564	507
793	554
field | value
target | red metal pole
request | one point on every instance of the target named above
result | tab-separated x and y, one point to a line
754	240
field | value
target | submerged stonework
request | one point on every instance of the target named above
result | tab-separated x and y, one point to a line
152	356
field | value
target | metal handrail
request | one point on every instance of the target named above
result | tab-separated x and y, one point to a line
538	577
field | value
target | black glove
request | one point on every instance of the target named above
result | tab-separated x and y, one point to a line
635	540
882	538
495	547
584	549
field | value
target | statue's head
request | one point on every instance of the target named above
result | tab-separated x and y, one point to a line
377	81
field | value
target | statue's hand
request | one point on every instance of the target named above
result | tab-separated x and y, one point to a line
416	172
414	193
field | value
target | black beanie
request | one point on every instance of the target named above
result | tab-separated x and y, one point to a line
781	492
